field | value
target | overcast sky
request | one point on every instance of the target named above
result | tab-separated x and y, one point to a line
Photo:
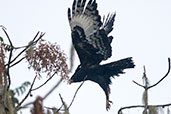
142	30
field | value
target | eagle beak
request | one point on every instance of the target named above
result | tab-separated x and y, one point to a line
70	81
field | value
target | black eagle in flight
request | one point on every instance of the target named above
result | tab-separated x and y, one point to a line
91	40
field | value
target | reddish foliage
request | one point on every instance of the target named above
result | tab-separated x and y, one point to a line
38	106
47	58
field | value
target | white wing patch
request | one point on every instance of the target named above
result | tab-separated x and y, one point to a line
87	18
84	22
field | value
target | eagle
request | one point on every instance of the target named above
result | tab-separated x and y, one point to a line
92	42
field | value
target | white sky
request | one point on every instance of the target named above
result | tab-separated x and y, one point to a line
142	30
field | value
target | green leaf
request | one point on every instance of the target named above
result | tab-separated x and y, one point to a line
15	100
8	47
11	92
1	39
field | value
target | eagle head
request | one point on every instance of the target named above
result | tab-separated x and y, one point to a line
79	75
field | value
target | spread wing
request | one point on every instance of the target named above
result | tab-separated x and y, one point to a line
89	34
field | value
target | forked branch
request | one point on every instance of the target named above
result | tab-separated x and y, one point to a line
159	80
146	87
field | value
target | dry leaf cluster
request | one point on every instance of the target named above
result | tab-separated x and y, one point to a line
47	58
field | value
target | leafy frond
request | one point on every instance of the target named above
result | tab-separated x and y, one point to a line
20	90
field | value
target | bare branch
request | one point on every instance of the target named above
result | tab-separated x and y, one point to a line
17	62
44	82
18	106
20	47
53	89
3	26
7	37
32	42
76	93
10	56
143	106
63	104
146	87
128	107
138	84
25	106
158	81
36	36
163	77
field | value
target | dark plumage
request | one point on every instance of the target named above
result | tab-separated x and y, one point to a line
93	45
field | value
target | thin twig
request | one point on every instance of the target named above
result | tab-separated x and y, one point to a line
36	36
32	42
17	62
60	108
20	47
9	60
44	82
128	107
53	89
76	93
25	106
18	106
164	75
146	87
53	109
169	66
138	84
7	37
2	26
142	106
61	98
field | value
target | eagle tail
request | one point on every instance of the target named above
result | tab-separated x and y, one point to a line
117	67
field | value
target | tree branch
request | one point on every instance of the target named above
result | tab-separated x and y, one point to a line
34	41
44	96
146	87
3	28
17	62
44	82
159	80
53	89
76	93
10	56
128	107
18	106
143	106
138	84
163	76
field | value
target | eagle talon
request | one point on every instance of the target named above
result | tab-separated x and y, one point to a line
70	81
108	104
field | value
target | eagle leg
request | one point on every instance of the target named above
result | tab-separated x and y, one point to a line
108	102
